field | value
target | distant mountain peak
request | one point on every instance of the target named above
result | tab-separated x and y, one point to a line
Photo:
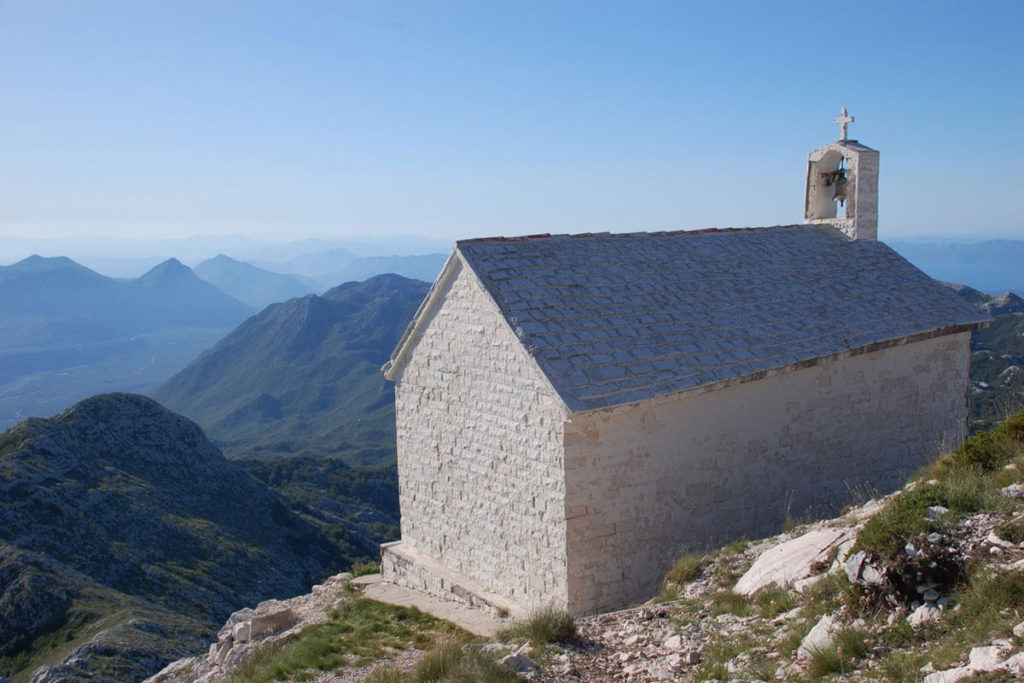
40	264
250	284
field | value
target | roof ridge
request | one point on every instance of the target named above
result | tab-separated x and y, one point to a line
626	235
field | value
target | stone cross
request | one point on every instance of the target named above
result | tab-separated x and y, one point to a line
843	120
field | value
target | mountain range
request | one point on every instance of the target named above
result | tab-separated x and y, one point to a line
67	332
302	378
324	269
123	526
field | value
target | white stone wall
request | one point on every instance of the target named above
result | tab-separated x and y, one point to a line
480	461
646	483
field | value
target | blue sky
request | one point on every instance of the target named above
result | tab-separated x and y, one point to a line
459	119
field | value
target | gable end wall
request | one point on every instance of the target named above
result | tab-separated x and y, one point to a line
649	482
481	470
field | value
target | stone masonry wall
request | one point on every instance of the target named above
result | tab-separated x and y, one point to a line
480	453
646	483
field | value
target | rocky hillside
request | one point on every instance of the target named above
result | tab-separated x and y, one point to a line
997	359
924	585
303	377
124	526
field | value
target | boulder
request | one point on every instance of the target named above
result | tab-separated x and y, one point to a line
791	561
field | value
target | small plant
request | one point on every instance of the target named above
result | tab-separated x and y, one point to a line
729	602
772	601
853	642
737	546
840	655
1012	530
365	568
823	661
687	568
669	593
453	660
1013	428
441	660
986	450
544	626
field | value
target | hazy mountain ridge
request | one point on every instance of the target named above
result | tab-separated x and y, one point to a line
303	377
67	332
253	286
324	269
120	503
59	293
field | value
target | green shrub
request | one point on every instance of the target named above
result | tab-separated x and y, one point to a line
544	626
440	661
986	450
669	593
853	641
825	660
1012	428
961	489
840	655
365	568
687	568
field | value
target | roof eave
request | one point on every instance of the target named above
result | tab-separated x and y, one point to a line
408	340
581	407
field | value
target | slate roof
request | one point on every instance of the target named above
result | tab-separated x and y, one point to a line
617	318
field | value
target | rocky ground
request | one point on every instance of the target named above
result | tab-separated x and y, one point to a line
718	625
924	585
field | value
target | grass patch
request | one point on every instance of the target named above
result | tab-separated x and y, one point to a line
772	601
730	602
841	655
451	660
687	568
987	451
544	626
1012	530
365	568
962	489
722	649
669	593
358	633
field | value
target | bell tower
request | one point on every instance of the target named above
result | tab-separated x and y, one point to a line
842	185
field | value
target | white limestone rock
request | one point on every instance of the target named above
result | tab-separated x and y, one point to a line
924	614
949	675
519	663
674	643
819	637
1018	630
988	658
791	561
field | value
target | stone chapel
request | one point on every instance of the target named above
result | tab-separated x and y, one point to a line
576	411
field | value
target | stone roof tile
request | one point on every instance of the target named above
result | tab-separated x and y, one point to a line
620	318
